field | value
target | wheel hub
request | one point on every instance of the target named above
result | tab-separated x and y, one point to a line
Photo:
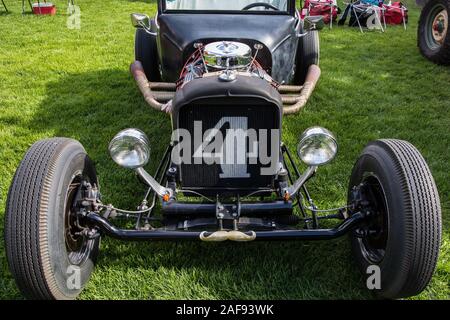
77	243
440	26
372	234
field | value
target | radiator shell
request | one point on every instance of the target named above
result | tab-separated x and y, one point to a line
208	100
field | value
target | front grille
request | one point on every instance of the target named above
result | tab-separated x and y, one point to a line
257	115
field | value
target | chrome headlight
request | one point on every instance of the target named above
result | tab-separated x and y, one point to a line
130	148
317	146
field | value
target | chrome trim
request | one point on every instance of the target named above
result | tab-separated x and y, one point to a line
152	183
227	55
317	131
293	189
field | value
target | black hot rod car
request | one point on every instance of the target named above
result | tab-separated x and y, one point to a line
226	72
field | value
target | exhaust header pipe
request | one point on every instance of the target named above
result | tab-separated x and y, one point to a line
158	95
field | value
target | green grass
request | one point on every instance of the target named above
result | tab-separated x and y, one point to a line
75	83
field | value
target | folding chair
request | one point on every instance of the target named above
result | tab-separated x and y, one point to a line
323	4
4	6
396	7
363	9
23	6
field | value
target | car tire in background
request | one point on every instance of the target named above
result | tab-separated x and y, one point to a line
48	255
308	53
146	51
433	34
403	232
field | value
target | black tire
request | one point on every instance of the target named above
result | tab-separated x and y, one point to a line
405	244
438	52
308	53
37	248
146	51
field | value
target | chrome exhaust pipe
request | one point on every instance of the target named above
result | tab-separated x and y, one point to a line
152	183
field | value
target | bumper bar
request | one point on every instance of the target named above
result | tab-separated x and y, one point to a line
109	229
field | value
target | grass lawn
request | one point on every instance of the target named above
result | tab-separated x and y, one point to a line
75	83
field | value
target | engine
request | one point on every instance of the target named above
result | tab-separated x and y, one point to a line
224	59
223	94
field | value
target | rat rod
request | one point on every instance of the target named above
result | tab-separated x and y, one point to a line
226	72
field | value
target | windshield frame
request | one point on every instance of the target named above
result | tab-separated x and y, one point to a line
290	10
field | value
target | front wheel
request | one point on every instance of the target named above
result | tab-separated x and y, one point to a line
48	252
146	51
434	31
308	53
402	233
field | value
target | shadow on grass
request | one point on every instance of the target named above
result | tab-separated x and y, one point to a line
92	107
